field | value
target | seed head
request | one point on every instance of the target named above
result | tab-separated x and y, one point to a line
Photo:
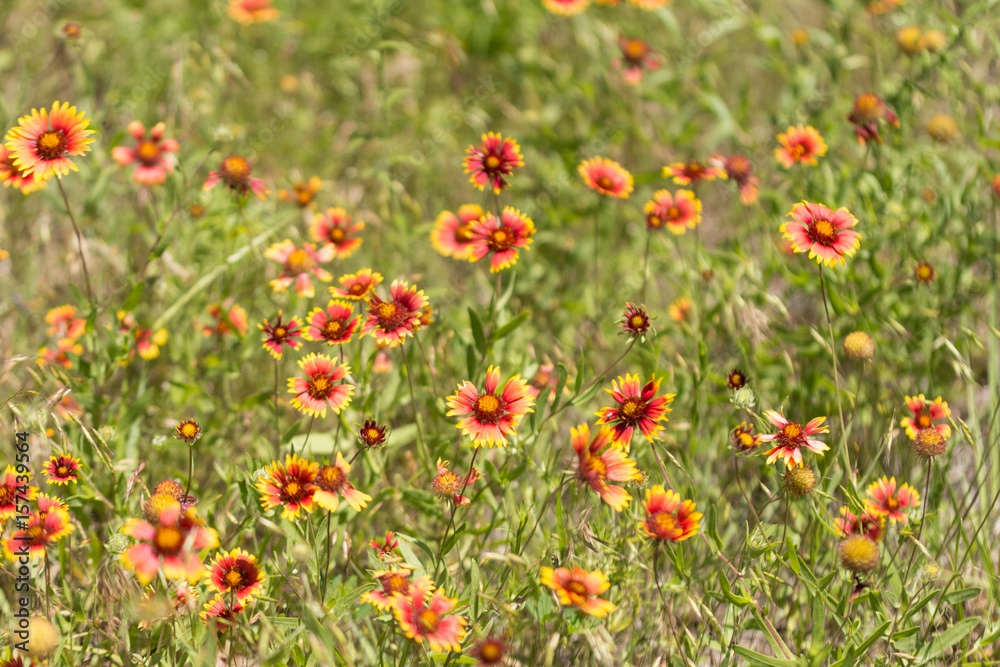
859	345
800	480
929	443
859	554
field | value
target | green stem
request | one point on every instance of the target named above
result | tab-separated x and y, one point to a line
424	454
79	241
849	471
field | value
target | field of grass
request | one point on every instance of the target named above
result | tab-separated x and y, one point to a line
615	410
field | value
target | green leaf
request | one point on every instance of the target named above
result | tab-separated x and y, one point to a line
712	527
738	600
509	328
961	596
477	331
948	638
755	658
879	632
134	296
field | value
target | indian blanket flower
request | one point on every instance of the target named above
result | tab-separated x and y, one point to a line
492	162
281	334
824	233
452	234
579	588
501	237
791	438
323	388
393	320
64	323
636	57
154	156
222	611
565	7
225	317
9	489
743	438
237	573
334	324
331	481
924	273
62	469
302	193
637	406
42	143
356	286
188	430
667	518
422	616
868	110
298	265
489	651
866	523
235	173
291	485
737	378
600	460
14	177
59	355
739	171
799	144
449	486
925	413
336	229
692	173
172	543
542	380
247	12
636	322
607	177
884	499
677	212
649	5
679	310
392	582
44	527
371	434
488	417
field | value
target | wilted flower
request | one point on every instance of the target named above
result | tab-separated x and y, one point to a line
942	128
868	110
302	193
743	438
636	57
924	273
859	345
858	554
449	486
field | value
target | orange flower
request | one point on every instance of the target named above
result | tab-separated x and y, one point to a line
235	173
222	613
9	489
61	469
579	588
925	413
667	518
802	144
247	12
487	417
302	194
60	355
64	323
599	460
173	542
606	177
452	235
41	143
335	228
636	407
14	177
331	481
155	155
335	324
291	485
393	582
221	319
692	172
237	573
885	500
421	616
356	286
677	212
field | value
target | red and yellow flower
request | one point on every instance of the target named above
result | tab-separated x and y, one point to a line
155	156
692	173
280	335
336	229
421	614
579	588
64	323
606	177
292	485
501	237
393	582
302	193
667	518
226	317
235	173
45	526
925	413
387	547
487	417
791	438
799	144
677	212
565	7
331	481
298	264
868	110
885	500
600	460
739	170
14	177
867	524
637	57
61	469
9	486
60	355
222	611
744	439
492	162
247	12
825	234
393	320
356	286
334	324
452	235
449	486
172	543
321	389
237	573
636	407
42	143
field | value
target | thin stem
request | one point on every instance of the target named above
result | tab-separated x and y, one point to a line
190	469
277	422
541	512
913	553
836	377
416	414
451	521
326	568
291	444
79	240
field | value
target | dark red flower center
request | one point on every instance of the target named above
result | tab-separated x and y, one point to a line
321	386
924	420
577	587
293	491
390	314
501	239
662	524
798	151
791	436
632	410
358	289
279	334
395	583
653	221
694	171
148	153
490	652
635	51
822	231
51	145
488	409
299	262
337	235
330	478
491	163
333	328
605	183
62	471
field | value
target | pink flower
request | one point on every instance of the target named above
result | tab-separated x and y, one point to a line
155	155
298	264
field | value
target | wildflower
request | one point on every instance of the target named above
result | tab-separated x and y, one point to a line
221	612
60	355
12	492
280	335
188	430
925	413
42	143
302	193
155	155
802	144
859	345
492	161
739	170
387	547
62	469
826	234
800	37
333	325
649	5
44	527
600	460
452	235
737	379
636	322
667	518
14	177
421	615
291	485
66	405
237	573
449	486
64	323
72	30
692	173
606	177
393	320
867	112
331	481
858	554
489	418
393	582
298	264
172	542
356	286
565	7
679	309
799	481
865	523
908	40
677	212
543	379
636	57
152	608
489	651
235	173
995	184
336	229
501	237
426	318
236	317
876	7
885	500
321	390
148	343
247	12
924	273
635	407
941	127
579	588
791	437
743	438
371	434
929	443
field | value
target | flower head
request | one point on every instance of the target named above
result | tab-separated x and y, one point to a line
226	317
606	177
600	460
356	286
302	193
744	439
925	413
64	323
298	264
739	170
393	582
680	309
61	469
489	651
799	481
237	573
222	612
393	320
636	57
452	234
868	110
941	127
335	324
858	554
387	547
884	499
14	177
171	541
636	322
737	379
321	389
501	237
280	335
188	430
154	156
865	523
678	212
565	7
422	615
825	234
42	143
371	434
692	173
449	486
235	173
924	273
489	417
10	488
331	481
336	229
247	12
929	443
667	518
44	527
859	345
799	144
636	407
59	355
791	438
492	162
579	588
291	485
